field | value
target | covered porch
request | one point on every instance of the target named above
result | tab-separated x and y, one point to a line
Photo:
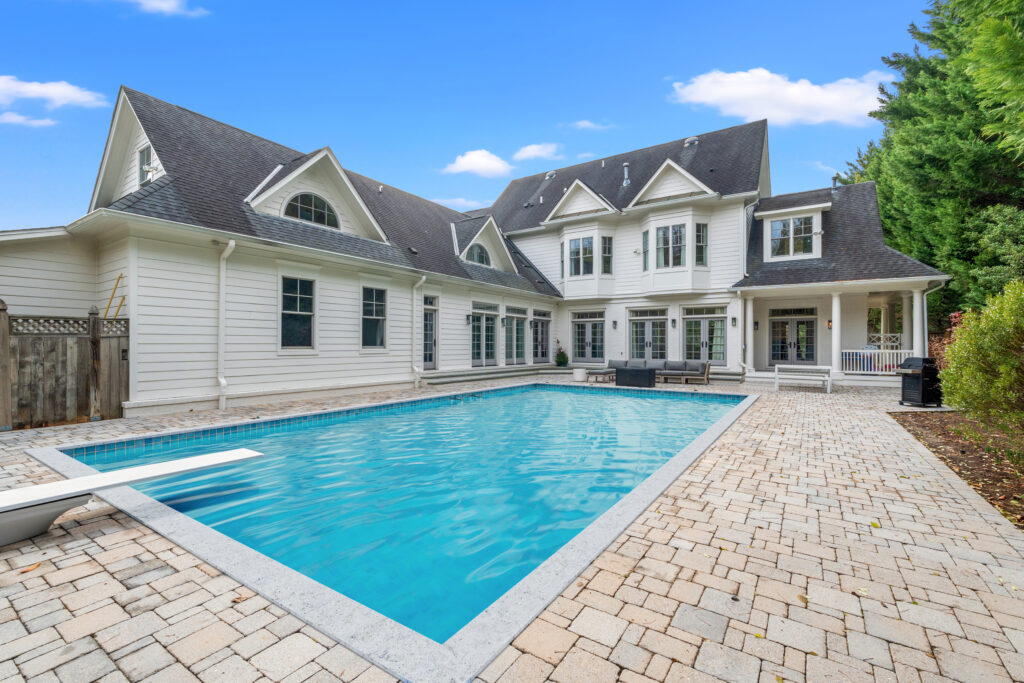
861	330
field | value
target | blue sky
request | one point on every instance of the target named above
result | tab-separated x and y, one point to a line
448	101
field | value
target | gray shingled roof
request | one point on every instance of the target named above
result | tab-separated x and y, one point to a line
728	161
852	245
467	229
212	167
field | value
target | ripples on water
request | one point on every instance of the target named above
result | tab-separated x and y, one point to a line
430	514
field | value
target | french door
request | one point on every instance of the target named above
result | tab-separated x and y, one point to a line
588	342
515	341
647	339
483	339
541	341
705	340
794	341
429	338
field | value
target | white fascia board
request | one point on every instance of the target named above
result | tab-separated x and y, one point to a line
122	100
657	204
823	206
600	200
255	193
668	163
891	283
31	234
325	152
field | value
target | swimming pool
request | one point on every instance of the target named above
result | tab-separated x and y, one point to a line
428	511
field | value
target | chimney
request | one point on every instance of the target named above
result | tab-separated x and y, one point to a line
835	184
625	173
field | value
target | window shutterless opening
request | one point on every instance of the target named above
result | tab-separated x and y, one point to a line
297	312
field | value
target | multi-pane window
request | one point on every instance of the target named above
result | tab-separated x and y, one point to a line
581	256
561	258
296	313
606	255
793	236
145	159
478	254
701	244
646	249
374	317
671	246
313	208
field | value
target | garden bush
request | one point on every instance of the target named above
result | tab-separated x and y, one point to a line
984	374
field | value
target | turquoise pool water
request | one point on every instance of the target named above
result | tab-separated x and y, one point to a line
427	511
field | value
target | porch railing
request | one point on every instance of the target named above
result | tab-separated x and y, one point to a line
874	361
886	341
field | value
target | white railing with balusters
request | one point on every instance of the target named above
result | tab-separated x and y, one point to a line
874	361
886	341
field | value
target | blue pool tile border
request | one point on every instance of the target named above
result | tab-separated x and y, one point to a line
110	449
388	644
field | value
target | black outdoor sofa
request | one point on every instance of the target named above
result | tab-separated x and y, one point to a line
682	371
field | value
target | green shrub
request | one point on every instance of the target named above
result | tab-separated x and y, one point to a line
561	358
984	375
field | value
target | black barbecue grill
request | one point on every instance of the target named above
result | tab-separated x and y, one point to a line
921	385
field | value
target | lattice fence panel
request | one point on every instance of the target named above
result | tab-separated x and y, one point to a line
50	326
115	328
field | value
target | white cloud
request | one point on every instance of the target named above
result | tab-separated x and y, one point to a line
168	7
759	93
824	168
17	119
584	124
54	93
481	162
460	203
541	150
585	155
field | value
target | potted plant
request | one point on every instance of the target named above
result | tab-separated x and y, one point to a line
561	358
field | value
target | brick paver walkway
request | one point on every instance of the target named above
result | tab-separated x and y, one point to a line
816	540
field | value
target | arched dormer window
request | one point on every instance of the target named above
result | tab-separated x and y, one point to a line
313	208
477	254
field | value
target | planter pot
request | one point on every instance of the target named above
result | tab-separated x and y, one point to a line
579	374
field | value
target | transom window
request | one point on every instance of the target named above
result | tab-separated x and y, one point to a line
793	236
704	310
374	317
478	254
671	246
588	315
483	306
296	313
313	208
700	246
581	256
792	312
648	313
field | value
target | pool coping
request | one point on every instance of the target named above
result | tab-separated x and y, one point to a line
386	643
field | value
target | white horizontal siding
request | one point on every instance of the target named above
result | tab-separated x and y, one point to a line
50	277
112	261
543	251
315	180
670	183
578	201
127	169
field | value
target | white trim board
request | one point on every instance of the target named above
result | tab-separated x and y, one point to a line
393	647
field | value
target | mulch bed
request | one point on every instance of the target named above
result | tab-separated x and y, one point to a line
982	463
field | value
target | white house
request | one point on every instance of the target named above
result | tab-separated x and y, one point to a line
250	270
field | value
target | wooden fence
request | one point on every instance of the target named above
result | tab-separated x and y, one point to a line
55	370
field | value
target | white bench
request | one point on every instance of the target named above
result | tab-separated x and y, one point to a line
29	511
804	373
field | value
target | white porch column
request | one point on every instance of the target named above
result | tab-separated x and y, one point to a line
920	341
908	337
837	333
884	319
748	356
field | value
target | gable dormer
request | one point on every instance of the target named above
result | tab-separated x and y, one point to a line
792	226
671	181
315	189
485	247
579	200
129	160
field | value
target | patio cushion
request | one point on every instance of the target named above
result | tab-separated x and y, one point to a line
601	371
635	364
655	365
695	366
612	364
675	365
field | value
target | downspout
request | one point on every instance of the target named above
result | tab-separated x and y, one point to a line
222	296
924	298
416	370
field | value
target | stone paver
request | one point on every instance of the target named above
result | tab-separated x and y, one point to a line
816	540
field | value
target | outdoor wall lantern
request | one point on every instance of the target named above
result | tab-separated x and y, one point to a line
615	324
734	321
503	321
830	324
469	318
673	323
755	326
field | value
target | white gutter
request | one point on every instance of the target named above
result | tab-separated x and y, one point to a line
416	370
222	295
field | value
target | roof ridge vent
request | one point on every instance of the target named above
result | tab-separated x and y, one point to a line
625	173
602	163
691	141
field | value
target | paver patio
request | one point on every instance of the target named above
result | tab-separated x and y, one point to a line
816	540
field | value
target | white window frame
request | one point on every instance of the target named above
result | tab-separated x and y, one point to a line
684	252
768	219
363	317
593	257
706	244
375	282
302	272
611	254
477	245
144	175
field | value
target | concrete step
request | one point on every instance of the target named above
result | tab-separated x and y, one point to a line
492	373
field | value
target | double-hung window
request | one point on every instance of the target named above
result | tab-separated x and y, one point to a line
581	256
561	258
671	246
296	313
374	317
606	255
145	159
701	244
793	236
646	249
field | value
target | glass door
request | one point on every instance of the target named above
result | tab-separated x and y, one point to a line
704	339
515	341
429	338
794	342
647	339
804	341
482	339
541	344
588	342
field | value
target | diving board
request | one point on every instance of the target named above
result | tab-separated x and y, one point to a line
29	511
